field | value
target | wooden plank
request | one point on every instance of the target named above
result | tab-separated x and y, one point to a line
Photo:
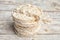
6	28
41	37
45	5
8	3
7	7
5	16
8	15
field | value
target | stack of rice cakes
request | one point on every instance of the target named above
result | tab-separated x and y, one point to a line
26	19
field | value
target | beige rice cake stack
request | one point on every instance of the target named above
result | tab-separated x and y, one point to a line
26	19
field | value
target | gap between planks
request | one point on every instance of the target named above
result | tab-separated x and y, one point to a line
43	10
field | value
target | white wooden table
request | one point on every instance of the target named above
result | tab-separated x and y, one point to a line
6	24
